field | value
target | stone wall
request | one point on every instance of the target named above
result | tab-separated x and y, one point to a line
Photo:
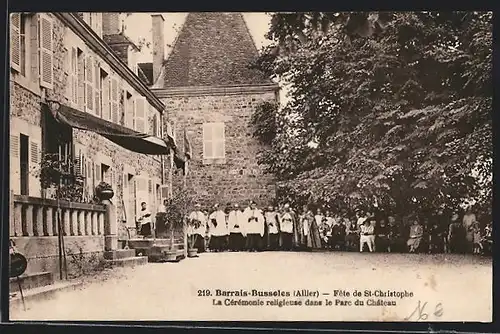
239	178
42	253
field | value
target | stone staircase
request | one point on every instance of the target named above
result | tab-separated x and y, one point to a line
37	286
154	249
124	258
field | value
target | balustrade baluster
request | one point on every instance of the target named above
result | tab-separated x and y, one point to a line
66	222
74	222
18	227
28	220
38	231
49	221
81	222
95	222
101	222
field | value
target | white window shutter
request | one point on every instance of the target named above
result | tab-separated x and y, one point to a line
115	97
77	160
15	165
46	52
81	81
220	142
74	75
89	84
129	112
208	151
15	41
140	114
105	97
97	89
34	153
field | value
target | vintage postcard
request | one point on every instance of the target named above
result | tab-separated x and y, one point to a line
224	166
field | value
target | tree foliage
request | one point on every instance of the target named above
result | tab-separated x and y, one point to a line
398	106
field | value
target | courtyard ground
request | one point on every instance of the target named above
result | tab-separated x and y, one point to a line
443	287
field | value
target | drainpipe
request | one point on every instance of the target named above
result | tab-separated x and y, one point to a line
161	156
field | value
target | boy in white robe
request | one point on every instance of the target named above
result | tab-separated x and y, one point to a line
218	229
272	223
197	228
254	227
287	222
236	225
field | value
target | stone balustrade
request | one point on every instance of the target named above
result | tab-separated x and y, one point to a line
32	216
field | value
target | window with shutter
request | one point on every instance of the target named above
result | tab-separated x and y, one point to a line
15	41
97	89
129	111
34	152
105	96
155	125
15	170
140	114
81	79
89	84
114	100
214	141
78	162
73	75
97	170
46	52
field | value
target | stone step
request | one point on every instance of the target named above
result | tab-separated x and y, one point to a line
167	241
119	254
41	293
129	261
140	243
31	281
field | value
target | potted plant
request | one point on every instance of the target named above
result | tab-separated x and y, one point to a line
58	178
192	238
104	191
176	210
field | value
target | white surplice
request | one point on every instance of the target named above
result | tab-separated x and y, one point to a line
221	228
236	222
254	221
202	219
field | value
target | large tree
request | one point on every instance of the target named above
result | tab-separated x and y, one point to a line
392	108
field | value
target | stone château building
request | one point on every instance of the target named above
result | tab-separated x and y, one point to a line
112	130
209	89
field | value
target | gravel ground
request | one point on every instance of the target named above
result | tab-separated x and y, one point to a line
447	288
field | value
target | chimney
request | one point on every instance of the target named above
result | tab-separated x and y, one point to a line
111	23
158	44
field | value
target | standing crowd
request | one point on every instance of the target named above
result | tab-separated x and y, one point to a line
237	229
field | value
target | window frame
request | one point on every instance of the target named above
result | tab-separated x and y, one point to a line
212	128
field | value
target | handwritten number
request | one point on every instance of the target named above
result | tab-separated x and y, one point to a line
422	315
438	312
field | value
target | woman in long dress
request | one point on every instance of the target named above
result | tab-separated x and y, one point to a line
416	234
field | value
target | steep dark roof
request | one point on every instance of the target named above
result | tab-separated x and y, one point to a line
146	72
212	49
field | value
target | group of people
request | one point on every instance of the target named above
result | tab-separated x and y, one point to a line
235	228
